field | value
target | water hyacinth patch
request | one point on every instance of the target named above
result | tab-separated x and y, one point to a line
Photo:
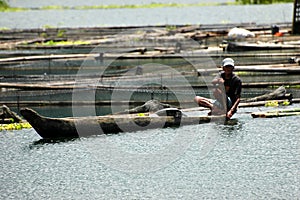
14	126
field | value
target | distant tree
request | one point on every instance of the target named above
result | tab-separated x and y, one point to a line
263	1
3	4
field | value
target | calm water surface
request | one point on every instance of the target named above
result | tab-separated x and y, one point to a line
261	14
246	159
40	3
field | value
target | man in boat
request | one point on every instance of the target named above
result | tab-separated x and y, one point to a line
226	82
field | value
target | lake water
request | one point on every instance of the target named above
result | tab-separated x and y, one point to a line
261	14
244	159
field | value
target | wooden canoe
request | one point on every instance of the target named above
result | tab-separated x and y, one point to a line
73	127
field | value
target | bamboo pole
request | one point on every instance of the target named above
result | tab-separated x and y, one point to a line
157	54
285	110
273	114
108	103
276	113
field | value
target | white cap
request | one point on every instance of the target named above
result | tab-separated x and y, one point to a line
228	61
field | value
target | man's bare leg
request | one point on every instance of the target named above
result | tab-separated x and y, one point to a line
204	102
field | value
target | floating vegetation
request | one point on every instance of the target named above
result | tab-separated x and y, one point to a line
293	86
14	126
272	104
285	103
44	35
47	26
61	33
129	6
170	28
4	7
4	28
61	43
117	6
275	103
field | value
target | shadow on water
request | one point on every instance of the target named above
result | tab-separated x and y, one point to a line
231	122
228	128
42	142
231	127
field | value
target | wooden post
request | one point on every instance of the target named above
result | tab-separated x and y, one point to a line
296	17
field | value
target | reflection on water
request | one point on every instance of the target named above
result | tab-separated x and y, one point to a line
231	127
40	143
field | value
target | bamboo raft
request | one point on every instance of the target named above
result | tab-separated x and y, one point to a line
144	53
102	32
292	68
276	113
70	85
207	35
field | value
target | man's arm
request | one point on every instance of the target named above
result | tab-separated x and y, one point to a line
218	79
238	99
233	108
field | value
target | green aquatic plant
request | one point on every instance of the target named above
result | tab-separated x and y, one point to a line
275	103
120	6
171	27
61	43
285	103
54	7
3	5
135	6
61	33
272	104
4	28
44	35
14	126
47	26
297	86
